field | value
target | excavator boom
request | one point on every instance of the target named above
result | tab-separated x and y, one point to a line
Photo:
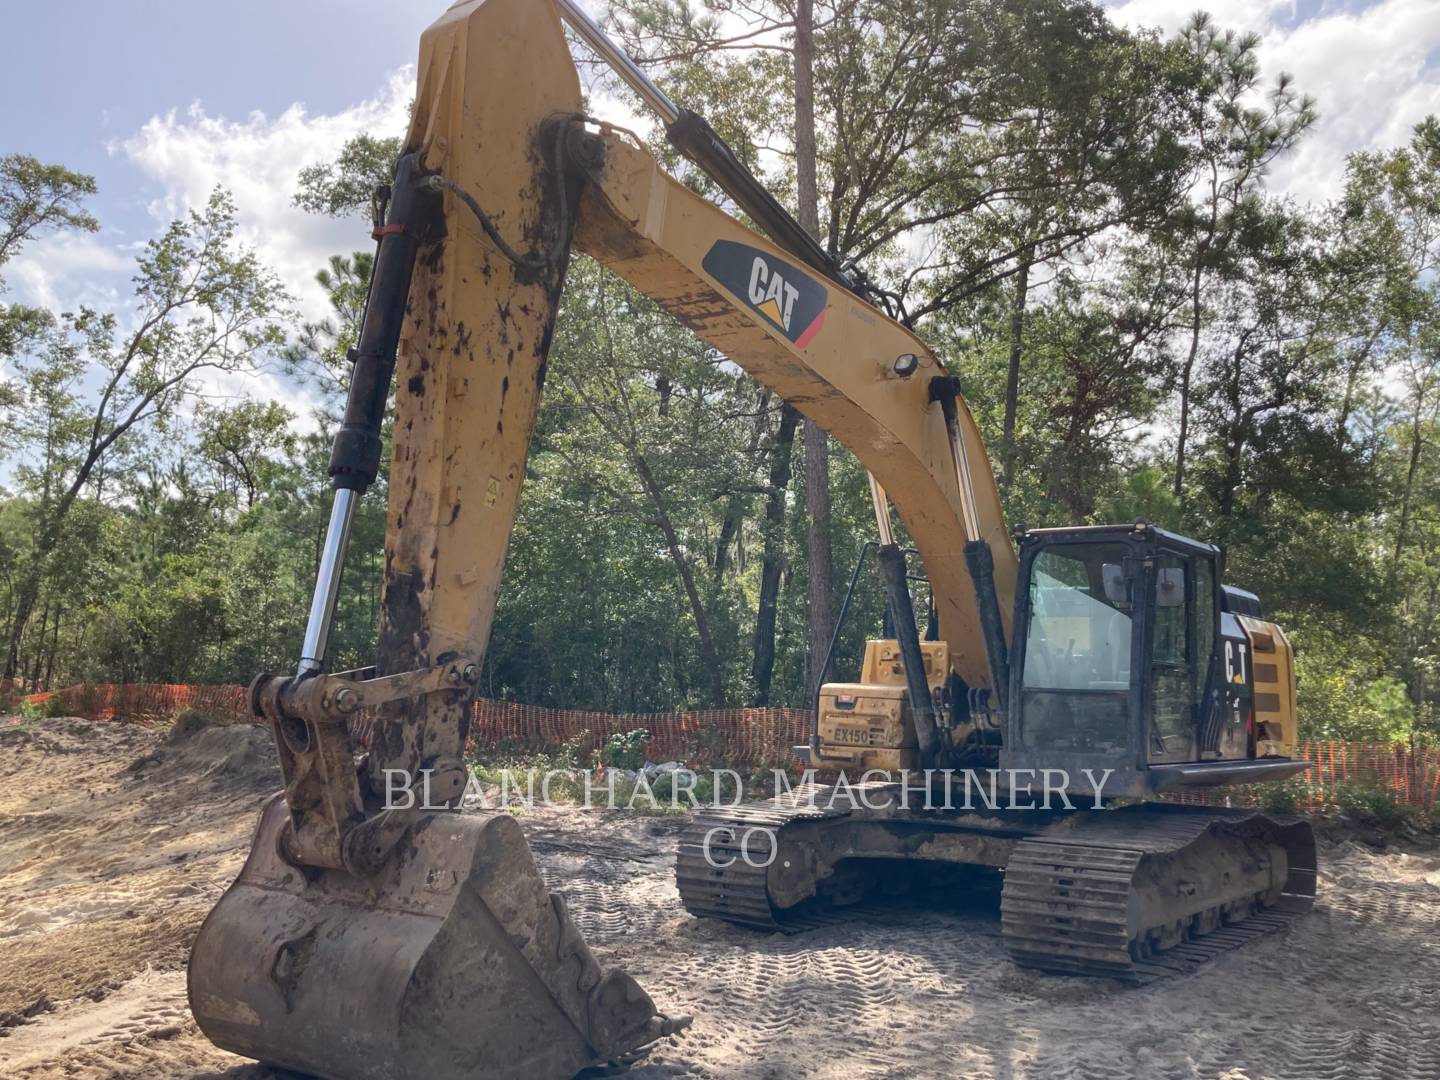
838	360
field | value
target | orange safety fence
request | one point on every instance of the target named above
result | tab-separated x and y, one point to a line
147	701
1410	773
749	738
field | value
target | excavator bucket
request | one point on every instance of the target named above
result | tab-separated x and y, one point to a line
455	961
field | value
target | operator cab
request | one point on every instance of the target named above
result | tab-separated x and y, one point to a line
1128	654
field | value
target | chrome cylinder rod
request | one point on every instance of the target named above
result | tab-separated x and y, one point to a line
327	580
620	63
881	502
964	479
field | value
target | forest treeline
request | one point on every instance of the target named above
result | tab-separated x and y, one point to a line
1075	216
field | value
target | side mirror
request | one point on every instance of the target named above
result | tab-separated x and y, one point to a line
1170	587
1117	585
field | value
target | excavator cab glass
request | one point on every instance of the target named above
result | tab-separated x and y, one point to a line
1075	683
1114	648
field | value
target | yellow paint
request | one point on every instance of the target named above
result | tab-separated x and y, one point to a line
843	379
771	310
1276	725
470	325
868	725
884	666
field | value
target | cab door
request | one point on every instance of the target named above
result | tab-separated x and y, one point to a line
1171	664
1183	630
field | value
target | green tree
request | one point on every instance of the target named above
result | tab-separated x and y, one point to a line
662	400
318	353
203	304
347	185
245	446
1391	208
36	198
1231	145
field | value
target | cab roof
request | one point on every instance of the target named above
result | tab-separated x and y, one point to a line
1140	530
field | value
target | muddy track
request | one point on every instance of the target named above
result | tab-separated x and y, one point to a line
96	910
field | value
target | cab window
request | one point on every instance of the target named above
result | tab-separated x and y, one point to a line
1079	631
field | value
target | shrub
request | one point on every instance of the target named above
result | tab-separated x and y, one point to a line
48	709
626	749
1283	796
575	753
1372	802
712	786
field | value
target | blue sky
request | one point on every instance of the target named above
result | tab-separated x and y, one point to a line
162	100
90	72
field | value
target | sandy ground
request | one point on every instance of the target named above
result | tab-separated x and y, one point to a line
114	843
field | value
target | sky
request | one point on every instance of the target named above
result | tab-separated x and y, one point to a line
163	100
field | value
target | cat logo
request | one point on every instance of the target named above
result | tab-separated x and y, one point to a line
791	301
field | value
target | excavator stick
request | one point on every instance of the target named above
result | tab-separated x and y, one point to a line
374	932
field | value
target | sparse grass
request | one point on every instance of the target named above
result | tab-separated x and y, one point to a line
17	720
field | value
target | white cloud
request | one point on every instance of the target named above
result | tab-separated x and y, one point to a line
1374	77
182	158
67	270
188	155
1372	69
1171	15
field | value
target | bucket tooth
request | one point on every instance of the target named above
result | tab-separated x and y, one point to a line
452	961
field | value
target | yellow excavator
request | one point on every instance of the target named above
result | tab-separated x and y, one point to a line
362	940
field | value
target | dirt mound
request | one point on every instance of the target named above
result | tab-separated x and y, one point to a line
200	749
186	725
112	850
67	735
